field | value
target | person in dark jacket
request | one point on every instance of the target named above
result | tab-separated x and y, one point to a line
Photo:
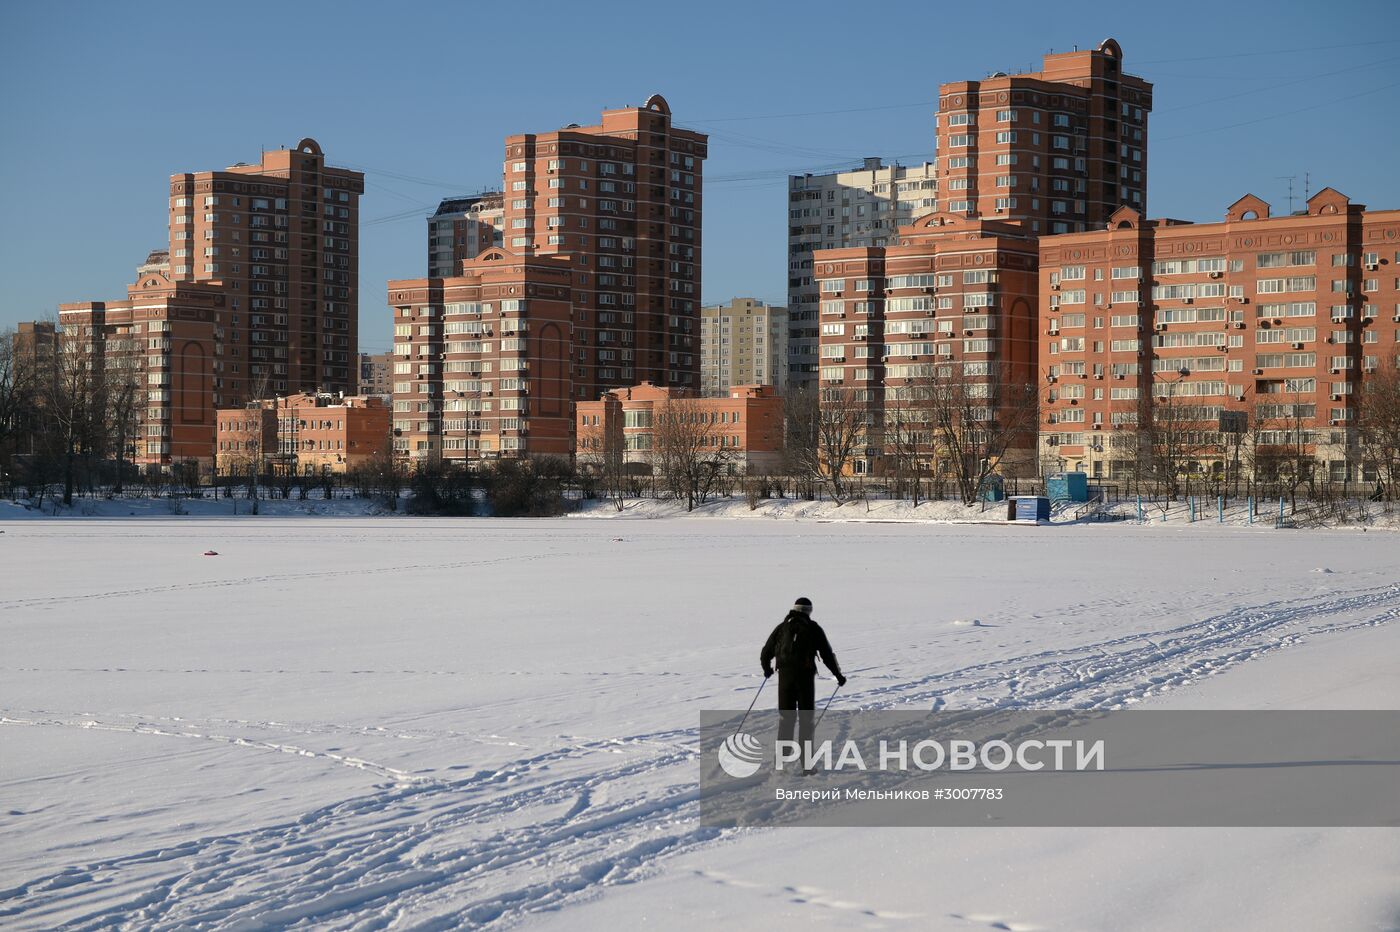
794	645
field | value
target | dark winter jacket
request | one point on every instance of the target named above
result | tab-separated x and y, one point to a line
807	640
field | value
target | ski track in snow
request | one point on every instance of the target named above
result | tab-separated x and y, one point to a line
442	854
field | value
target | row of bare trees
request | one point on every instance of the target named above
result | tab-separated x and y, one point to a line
943	426
64	415
1275	440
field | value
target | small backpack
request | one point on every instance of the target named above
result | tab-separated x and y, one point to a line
795	643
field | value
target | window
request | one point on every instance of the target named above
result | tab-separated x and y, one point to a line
1006	137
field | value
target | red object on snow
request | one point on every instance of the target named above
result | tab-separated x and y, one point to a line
211	553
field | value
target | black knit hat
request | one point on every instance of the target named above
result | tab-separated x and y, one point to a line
803	605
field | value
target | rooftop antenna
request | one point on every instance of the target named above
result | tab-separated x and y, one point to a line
1290	179
1307	186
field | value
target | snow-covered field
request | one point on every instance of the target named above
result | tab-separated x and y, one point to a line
356	722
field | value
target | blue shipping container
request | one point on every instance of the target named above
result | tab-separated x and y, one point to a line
1032	508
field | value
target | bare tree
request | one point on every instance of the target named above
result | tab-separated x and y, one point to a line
125	397
1172	433
1378	425
978	424
906	437
1285	443
688	451
18	401
73	402
844	428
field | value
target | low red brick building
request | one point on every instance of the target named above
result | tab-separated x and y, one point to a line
744	429
307	433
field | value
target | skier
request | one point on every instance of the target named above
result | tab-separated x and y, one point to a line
795	645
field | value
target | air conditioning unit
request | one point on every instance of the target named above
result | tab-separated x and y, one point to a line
1054	287
1120	377
1258	371
1278	321
1334	422
1098	427
1239	325
1161	326
1297	346
1336	371
1142	304
1098	378
1053	331
1188	300
1051	379
1336	397
1372	266
1216	274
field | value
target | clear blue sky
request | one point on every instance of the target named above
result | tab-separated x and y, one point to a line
101	102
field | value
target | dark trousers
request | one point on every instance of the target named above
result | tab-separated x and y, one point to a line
797	698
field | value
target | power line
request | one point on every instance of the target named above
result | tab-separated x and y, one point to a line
1275	116
783	116
1275	85
1309	48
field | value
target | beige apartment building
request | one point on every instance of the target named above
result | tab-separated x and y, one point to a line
859	208
377	374
743	342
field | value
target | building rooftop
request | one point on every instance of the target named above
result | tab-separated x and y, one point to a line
459	205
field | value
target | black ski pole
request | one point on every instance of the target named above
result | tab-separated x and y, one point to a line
751	704
825	707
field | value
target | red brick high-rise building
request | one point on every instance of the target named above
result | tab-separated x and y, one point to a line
481	359
624	199
595	287
281	238
953	304
1060	149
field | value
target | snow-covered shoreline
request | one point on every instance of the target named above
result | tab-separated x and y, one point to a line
1155	514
